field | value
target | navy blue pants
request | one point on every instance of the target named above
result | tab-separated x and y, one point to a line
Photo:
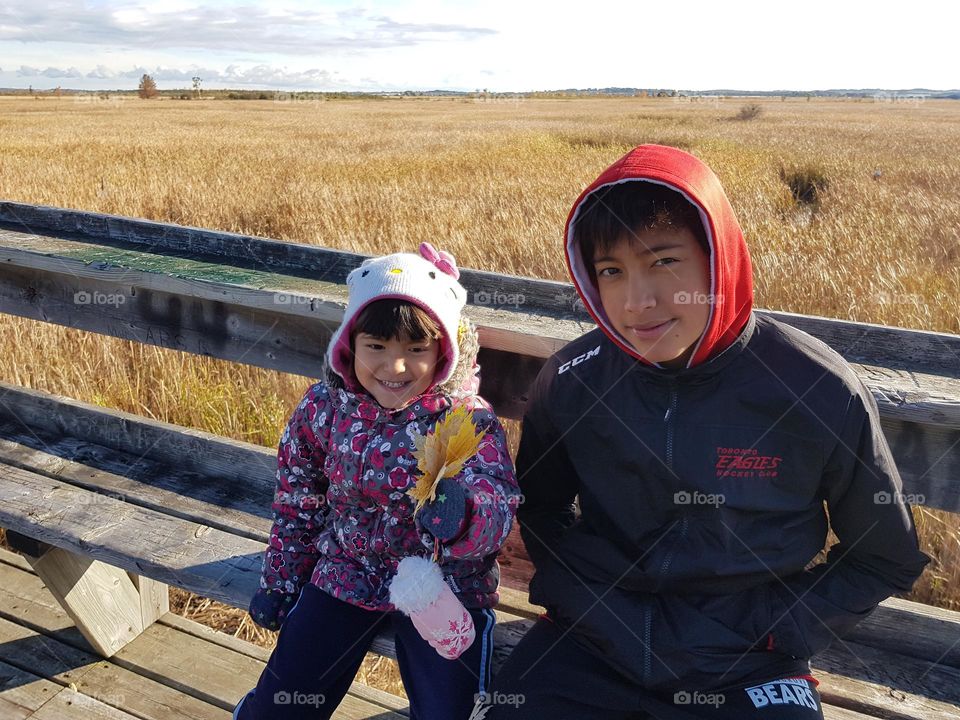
323	642
548	676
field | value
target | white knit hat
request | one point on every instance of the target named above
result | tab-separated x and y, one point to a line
428	280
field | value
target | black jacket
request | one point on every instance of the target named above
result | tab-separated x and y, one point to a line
701	495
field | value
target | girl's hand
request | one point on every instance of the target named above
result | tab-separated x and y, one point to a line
446	516
269	608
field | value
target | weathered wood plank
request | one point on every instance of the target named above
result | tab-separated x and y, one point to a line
22	693
880	701
144	697
46	656
874	344
831	712
237	507
14	559
60	277
920	351
37	635
71	705
48	417
164	689
208	671
924	632
900	673
928	459
196	557
379	697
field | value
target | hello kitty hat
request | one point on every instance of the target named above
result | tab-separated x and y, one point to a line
428	280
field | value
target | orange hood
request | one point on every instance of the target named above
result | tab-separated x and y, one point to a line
731	279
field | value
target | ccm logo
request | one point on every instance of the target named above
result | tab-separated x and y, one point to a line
578	359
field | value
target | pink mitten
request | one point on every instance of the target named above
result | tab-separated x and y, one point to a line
419	592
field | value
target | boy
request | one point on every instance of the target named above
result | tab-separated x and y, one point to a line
702	442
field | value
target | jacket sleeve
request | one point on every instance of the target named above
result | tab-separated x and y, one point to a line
492	495
547	480
299	502
877	554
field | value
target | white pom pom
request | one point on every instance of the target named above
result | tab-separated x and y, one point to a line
417	584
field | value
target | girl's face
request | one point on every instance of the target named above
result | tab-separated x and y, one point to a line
395	371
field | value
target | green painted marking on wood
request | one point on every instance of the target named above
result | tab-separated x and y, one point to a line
108	257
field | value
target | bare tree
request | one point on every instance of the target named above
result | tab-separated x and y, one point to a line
196	86
147	87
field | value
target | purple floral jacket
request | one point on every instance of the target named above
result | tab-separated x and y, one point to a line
342	518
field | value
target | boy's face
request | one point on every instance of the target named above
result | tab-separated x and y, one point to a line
655	288
394	371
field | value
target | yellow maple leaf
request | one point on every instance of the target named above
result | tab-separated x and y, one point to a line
442	452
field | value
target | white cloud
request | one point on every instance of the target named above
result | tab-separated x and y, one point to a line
102	72
239	28
50	72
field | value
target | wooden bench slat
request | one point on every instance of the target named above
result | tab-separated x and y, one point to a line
159	486
910	628
882	668
262	654
195	557
878	701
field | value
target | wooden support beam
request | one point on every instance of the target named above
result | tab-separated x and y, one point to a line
101	599
108	606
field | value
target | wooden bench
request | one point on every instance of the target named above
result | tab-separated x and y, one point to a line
110	508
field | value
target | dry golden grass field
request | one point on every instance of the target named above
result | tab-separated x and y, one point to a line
492	182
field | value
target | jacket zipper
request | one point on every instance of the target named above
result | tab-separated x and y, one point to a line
669	418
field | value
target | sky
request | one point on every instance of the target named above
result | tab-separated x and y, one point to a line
498	45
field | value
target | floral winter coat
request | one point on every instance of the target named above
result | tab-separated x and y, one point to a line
343	520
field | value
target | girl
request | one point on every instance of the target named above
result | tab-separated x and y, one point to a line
348	550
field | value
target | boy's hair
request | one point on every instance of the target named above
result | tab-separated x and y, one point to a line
629	208
393	319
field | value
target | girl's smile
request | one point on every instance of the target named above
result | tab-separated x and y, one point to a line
395	371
